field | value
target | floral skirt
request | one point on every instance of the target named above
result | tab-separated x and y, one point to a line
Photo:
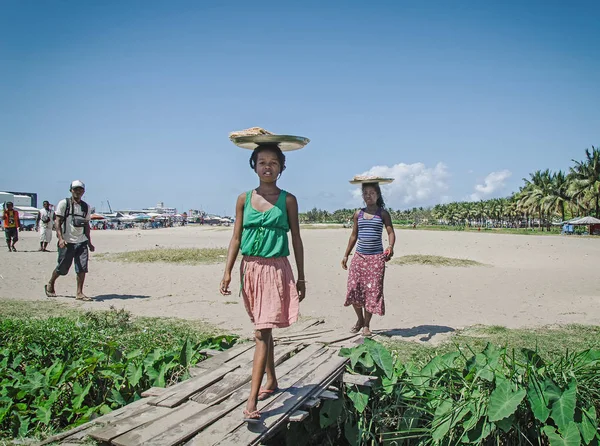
269	291
365	283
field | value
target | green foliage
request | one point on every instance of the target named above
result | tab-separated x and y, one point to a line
62	371
493	396
192	256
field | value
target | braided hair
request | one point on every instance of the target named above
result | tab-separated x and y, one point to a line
274	148
380	202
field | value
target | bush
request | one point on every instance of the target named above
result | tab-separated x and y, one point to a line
494	397
63	371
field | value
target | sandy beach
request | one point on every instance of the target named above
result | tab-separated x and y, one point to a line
527	281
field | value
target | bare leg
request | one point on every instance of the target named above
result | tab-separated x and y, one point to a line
366	329
271	377
51	283
262	338
8	242
360	322
80	281
41	246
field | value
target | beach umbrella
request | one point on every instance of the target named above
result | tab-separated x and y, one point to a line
585	221
97	217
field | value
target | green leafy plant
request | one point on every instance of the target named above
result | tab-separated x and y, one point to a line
494	396
63	371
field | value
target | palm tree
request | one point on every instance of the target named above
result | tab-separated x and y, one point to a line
585	178
557	194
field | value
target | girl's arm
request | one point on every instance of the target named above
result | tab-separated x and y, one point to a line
234	244
389	227
351	241
291	205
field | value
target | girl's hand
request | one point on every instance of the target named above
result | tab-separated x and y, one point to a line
345	262
389	253
301	288
224	286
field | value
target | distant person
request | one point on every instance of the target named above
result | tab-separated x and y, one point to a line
367	270
72	224
11	226
271	295
45	224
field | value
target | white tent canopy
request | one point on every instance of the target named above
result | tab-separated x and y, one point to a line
584	221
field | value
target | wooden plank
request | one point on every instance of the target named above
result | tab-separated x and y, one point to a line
299	415
227	415
277	411
328	395
239	377
298	327
359	380
210	352
183	390
309	403
153	391
336	336
99	422
113	430
229	354
305	334
144	432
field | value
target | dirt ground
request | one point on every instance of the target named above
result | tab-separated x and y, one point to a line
527	281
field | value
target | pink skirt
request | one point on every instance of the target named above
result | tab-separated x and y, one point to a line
365	283
269	291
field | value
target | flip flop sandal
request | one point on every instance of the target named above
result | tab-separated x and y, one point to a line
252	417
263	393
48	293
85	299
367	335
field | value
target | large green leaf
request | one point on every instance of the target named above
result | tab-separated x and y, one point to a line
504	400
537	400
481	431
330	412
563	409
381	356
351	432
589	424
44	414
80	393
360	398
570	436
186	354
446	416
134	373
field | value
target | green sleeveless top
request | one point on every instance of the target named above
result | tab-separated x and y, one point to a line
265	233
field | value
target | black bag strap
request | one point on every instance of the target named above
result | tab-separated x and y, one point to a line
70	209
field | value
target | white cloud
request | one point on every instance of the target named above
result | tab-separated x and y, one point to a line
493	183
414	185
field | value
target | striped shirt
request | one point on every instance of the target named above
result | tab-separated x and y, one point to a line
369	233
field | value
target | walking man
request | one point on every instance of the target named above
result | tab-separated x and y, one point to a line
11	226
73	232
45	223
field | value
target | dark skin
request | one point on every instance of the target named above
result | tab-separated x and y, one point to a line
76	194
9	242
43	245
264	198
370	197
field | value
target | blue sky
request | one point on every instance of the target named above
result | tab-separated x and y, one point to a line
457	100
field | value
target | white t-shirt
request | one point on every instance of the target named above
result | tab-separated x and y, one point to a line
46	215
72	233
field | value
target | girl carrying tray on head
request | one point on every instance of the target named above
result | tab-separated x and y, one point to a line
367	270
263	218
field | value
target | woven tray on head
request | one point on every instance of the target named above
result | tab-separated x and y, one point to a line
253	137
252	131
362	179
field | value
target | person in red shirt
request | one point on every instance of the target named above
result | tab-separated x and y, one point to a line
11	226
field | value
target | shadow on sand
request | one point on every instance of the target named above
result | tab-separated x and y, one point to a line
103	297
426	331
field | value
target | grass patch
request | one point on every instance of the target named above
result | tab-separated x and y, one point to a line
419	259
322	226
551	342
189	256
58	371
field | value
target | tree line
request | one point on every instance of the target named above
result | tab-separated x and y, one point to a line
546	196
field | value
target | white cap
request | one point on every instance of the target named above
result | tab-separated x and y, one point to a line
77	183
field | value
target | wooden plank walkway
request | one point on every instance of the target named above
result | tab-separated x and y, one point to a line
206	409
